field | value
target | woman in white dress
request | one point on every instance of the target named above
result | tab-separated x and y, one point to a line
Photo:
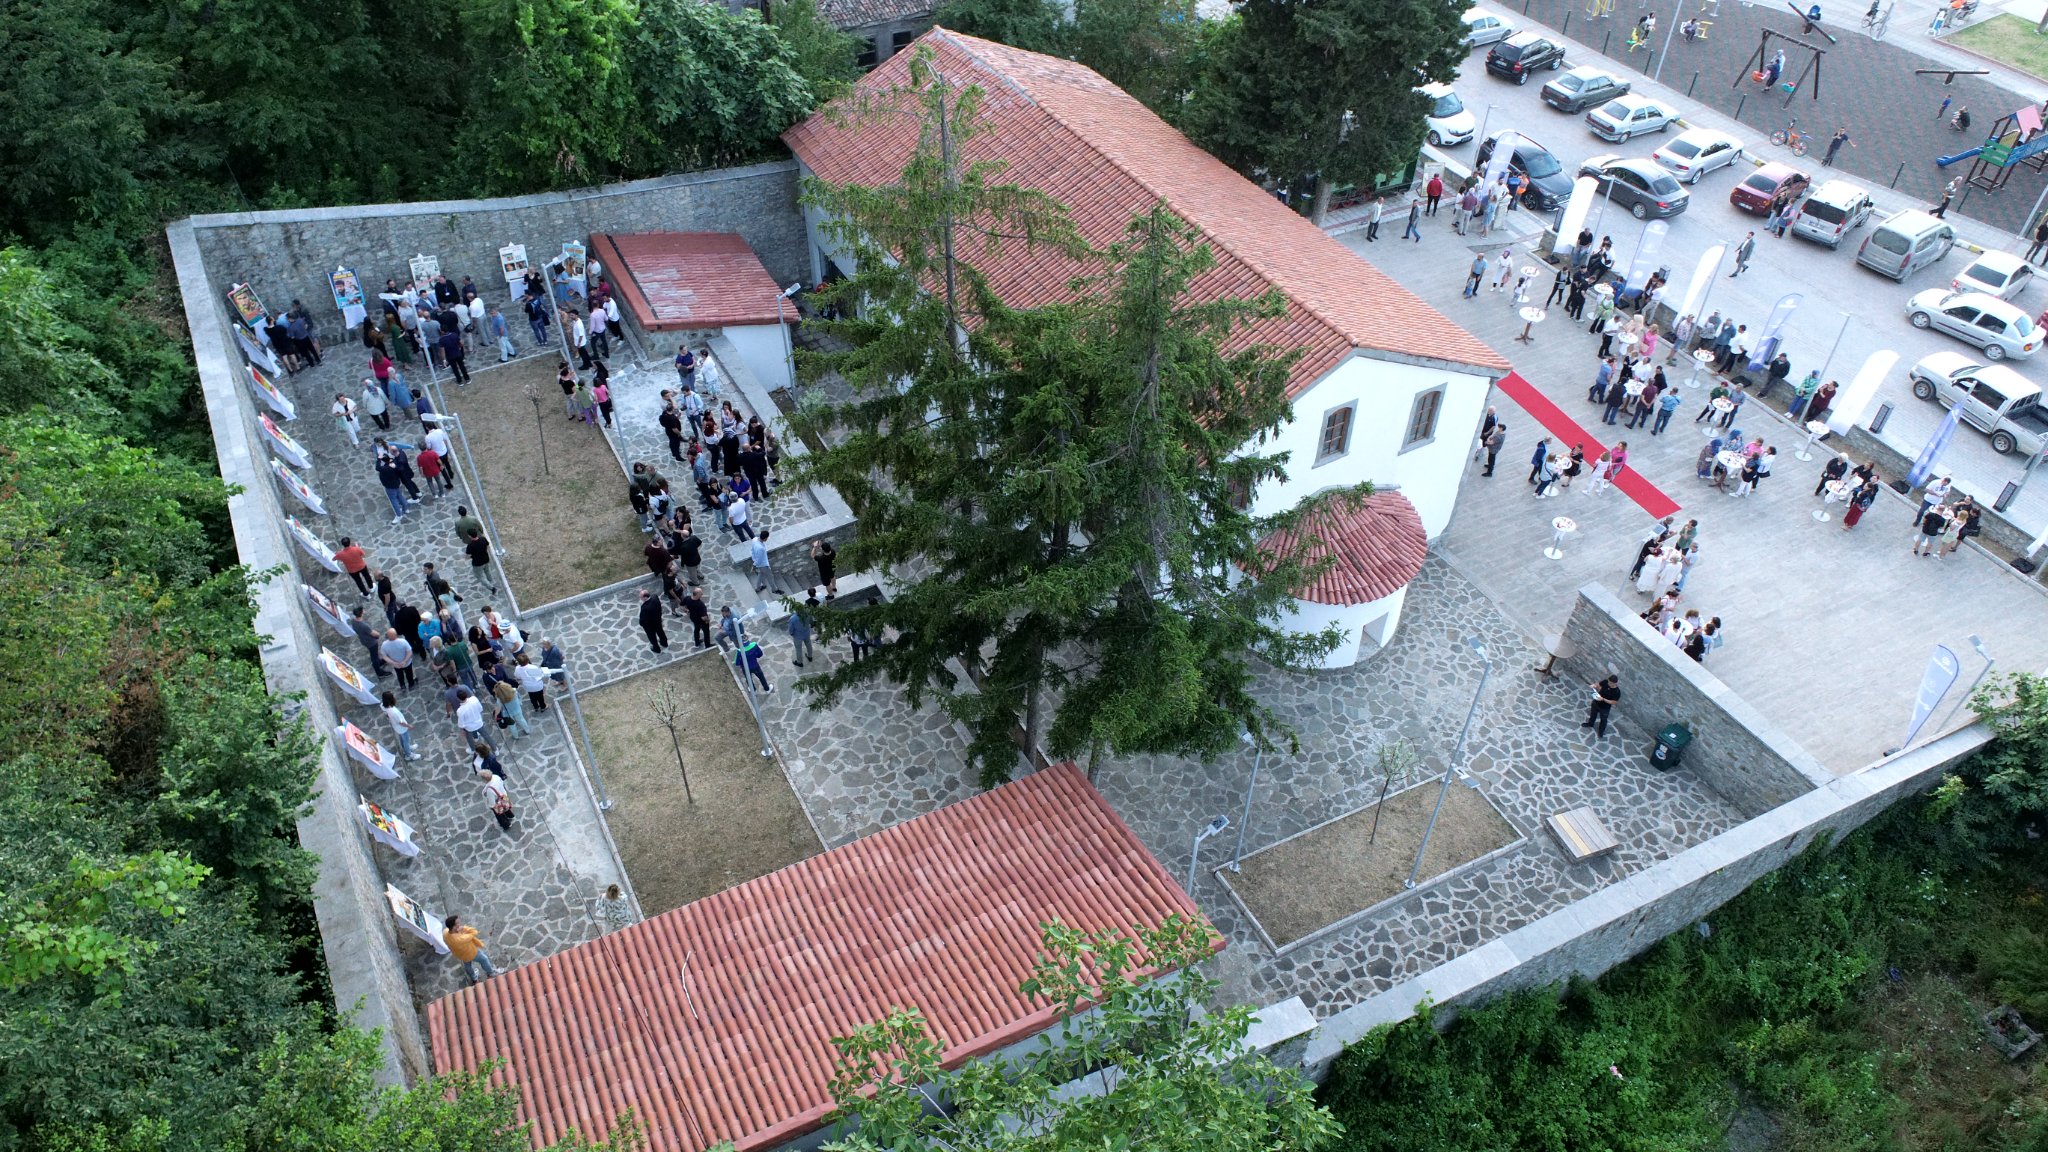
1651	581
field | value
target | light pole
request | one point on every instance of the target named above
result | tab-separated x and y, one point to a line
604	803
1245	820
1212	828
788	345
756	612
1976	642
1669	33
1451	766
469	461
1833	348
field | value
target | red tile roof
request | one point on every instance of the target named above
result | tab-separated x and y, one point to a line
1375	549
941	912
677	280
1066	131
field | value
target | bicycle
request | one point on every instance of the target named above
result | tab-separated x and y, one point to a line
1877	21
1791	137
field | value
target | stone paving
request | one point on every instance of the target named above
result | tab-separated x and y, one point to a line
532	891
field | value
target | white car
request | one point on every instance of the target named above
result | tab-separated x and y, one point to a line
1999	274
1449	122
2003	330
1483	28
1627	116
1697	151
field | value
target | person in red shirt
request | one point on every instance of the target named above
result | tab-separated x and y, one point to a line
356	563
1435	191
429	462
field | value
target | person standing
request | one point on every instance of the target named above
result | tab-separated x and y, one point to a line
1947	194
370	640
731	629
456	356
2040	240
579	339
1859	502
1494	443
479	549
1537	457
1967	517
400	726
1476	276
1657	534
736	514
700	616
800	628
510	713
748	660
671	421
1434	190
600	337
1836	468
1606	694
502	333
1936	492
398	656
1933	526
393	483
1372	221
651	622
1822	401
1414	221
1736	395
1835	143
356	563
826	557
469	714
764	570
1743	252
344	411
468	950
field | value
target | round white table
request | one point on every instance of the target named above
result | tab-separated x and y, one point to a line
1815	429
1722	406
1832	492
1531	316
1731	463
1700	359
1560	528
1624	341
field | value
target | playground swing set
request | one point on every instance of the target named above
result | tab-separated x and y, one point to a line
1765	68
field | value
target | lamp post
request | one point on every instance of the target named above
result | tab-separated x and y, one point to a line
483	503
1976	642
1836	346
1245	820
1451	766
1212	828
788	345
759	610
604	802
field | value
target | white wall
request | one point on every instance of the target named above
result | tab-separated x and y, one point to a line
1385	394
1375	622
763	348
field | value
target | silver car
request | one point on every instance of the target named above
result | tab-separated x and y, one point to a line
2001	329
1483	28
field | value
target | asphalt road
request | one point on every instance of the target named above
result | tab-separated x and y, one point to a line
1840	298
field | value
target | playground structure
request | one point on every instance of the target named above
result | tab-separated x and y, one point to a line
2015	141
1758	67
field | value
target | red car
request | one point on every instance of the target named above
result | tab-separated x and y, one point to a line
1756	191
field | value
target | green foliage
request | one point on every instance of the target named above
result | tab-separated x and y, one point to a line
1065	479
1156	50
551	98
1325	91
67	927
1177	1075
1033	25
823	55
711	86
41	362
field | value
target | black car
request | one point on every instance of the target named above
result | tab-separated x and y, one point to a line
1640	185
1524	52
1548	184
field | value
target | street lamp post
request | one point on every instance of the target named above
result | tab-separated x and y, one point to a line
604	803
483	502
1212	828
1833	348
788	345
1245	820
1451	766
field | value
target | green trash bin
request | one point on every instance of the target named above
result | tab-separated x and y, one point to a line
1670	746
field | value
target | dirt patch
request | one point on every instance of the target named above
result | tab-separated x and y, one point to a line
1324	875
746	821
565	529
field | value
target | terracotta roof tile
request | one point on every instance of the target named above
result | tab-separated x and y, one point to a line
1066	131
1375	549
941	912
688	280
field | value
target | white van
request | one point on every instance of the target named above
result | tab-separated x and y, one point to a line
1906	243
1835	209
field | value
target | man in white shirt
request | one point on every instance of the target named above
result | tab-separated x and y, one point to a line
600	341
437	439
469	714
579	338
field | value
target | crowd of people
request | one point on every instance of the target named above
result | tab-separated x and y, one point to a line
1663	564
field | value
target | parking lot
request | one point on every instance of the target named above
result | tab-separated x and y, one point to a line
1844	312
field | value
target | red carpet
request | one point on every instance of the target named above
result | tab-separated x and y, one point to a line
1631	482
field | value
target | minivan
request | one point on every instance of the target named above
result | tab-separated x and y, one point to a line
1905	244
1835	209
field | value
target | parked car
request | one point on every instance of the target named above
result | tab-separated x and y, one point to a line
1834	210
1587	86
1524	52
1995	400
1449	123
1482	28
1548	186
1697	151
1638	185
1629	116
1756	190
1905	243
1999	274
2001	328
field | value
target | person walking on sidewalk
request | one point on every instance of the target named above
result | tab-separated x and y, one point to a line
2040	240
1835	143
1743	252
1476	276
468	950
1414	218
1372	222
1947	194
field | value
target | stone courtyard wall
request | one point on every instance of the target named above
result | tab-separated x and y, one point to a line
1751	762
287	255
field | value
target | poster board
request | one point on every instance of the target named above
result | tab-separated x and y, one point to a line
298	487
346	677
417	919
272	398
573	265
387	829
365	750
247	306
348	296
288	448
424	268
256	350
314	546
329	611
512	261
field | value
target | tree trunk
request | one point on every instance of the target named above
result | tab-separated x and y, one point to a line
1319	208
680	766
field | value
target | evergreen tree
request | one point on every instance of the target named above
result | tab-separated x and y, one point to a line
1324	90
1033	25
1058	489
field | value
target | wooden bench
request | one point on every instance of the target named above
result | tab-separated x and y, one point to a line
1581	835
